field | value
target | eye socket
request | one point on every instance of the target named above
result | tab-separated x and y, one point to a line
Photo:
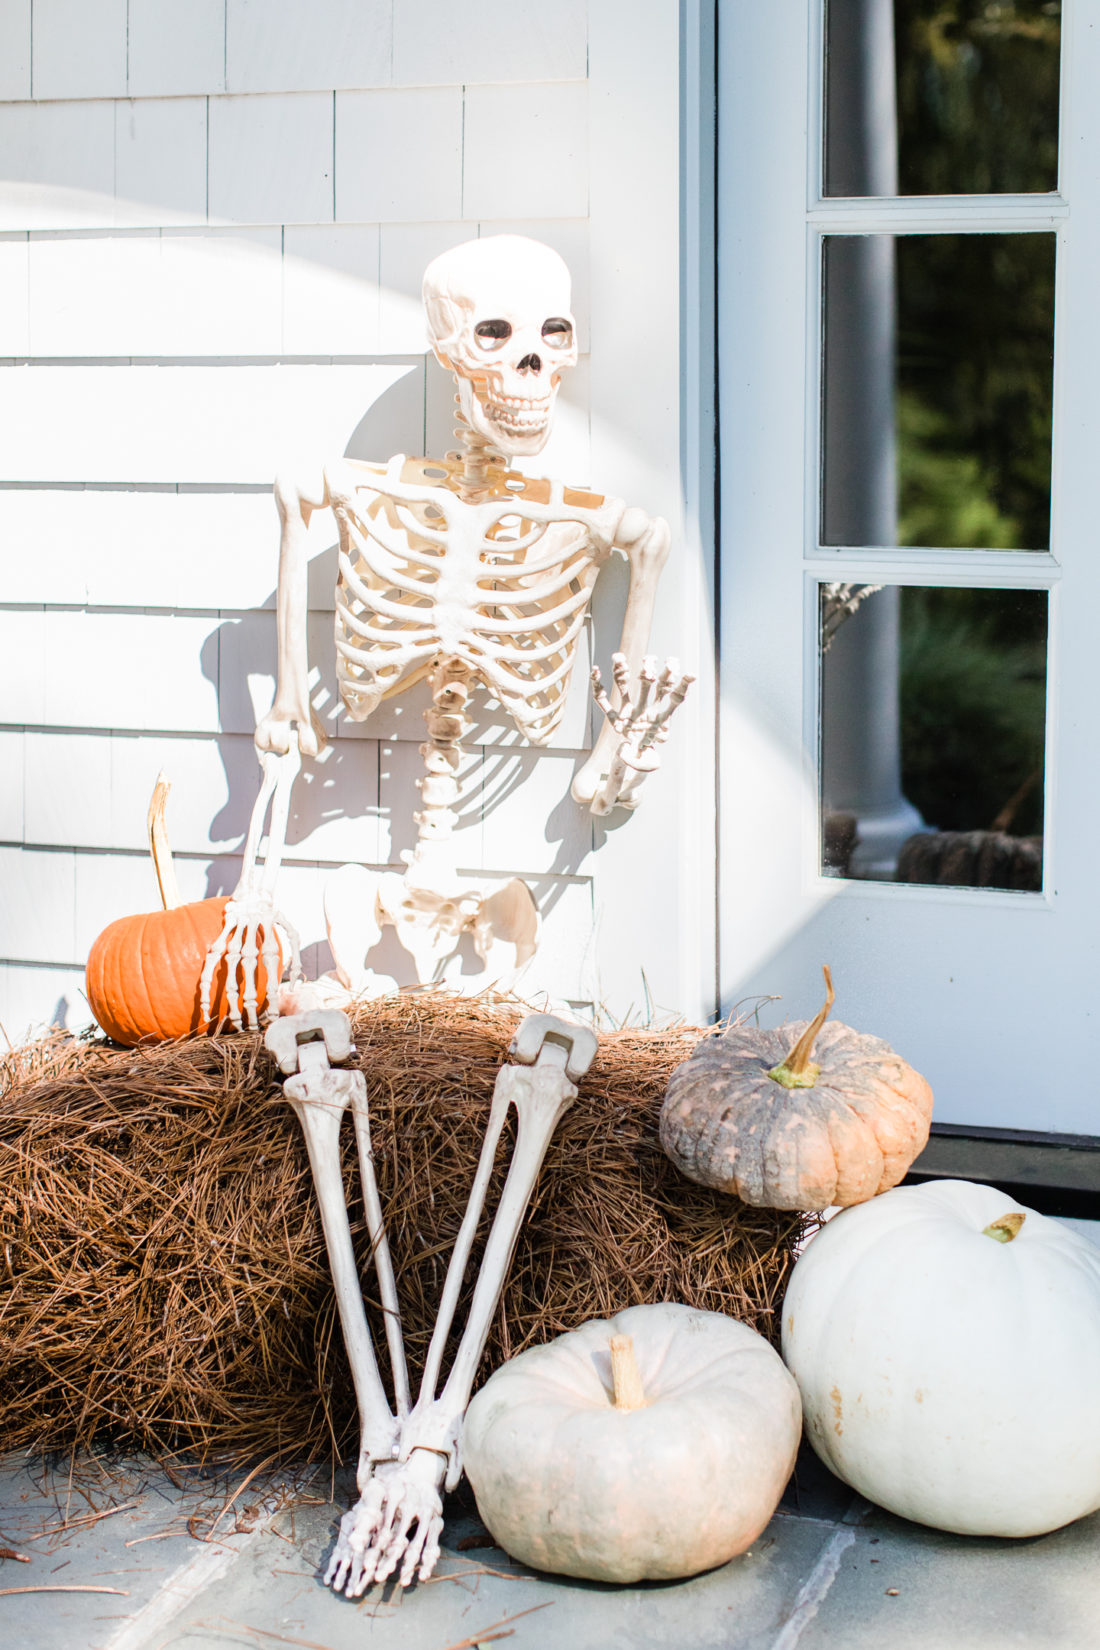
492	334
558	332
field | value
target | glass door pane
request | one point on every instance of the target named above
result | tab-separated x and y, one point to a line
938	355
942	97
933	717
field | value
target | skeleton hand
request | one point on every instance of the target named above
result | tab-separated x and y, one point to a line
375	1535
642	725
248	941
249	929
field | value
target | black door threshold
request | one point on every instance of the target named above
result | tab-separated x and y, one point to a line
1055	1174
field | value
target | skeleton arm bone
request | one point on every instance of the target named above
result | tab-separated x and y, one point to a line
287	731
645	540
296	503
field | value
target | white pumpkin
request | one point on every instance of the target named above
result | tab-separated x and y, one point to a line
668	1466
946	1342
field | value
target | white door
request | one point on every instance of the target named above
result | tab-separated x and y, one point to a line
865	321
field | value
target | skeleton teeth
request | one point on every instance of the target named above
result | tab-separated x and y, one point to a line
524	427
518	415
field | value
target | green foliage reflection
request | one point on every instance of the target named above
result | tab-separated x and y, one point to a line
977	94
973	705
974	376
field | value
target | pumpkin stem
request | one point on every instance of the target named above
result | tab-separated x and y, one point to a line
1007	1227
798	1071
626	1377
158	844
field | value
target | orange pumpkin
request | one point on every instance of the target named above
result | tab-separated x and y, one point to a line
144	972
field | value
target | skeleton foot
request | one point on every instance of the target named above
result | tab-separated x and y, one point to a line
348	1566
398	1520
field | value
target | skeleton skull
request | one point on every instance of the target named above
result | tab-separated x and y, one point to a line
499	318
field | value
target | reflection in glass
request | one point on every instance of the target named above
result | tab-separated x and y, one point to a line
932	738
937	390
941	97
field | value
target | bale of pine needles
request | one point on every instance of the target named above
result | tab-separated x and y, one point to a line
163	1278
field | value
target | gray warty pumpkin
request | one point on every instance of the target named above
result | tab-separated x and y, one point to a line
751	1114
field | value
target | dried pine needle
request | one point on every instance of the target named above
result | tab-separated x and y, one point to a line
165	1279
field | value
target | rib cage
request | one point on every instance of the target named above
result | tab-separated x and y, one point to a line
502	583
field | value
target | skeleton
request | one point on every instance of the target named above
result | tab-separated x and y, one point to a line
466	573
409	1454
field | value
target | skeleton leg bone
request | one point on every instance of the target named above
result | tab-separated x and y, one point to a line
399	1519
460	1255
553	1052
320	1095
380	1249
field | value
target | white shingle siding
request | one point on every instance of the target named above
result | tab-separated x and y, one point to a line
79	48
214	219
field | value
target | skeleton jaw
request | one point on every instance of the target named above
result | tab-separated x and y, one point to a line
518	425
